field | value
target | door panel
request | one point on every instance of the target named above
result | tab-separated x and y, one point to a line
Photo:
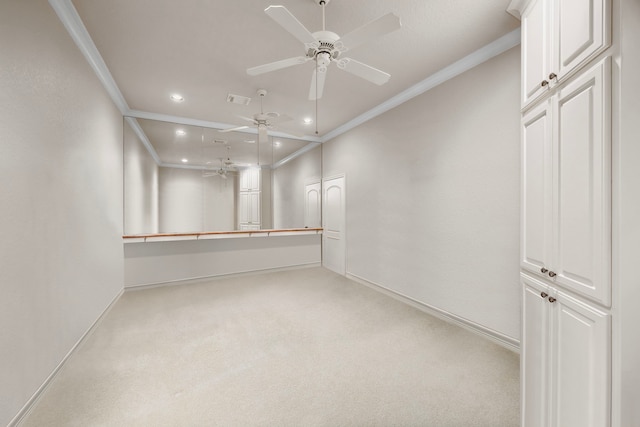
536	193
333	235
582	31
535	33
582	238
312	205
582	371
534	354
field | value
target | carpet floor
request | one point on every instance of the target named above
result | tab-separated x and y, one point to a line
301	347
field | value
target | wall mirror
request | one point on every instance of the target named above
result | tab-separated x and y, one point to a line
191	179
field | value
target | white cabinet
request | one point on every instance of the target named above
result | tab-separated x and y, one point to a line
249	199
250	179
558	37
249	210
566	359
566	186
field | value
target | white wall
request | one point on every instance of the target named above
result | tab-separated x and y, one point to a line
219	203
432	191
190	203
181	200
140	186
163	262
266	210
289	181
61	212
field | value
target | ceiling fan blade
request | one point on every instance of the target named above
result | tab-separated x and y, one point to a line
273	66
262	134
381	26
248	119
232	129
282	16
317	81
365	71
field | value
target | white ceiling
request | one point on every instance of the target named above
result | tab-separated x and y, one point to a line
202	48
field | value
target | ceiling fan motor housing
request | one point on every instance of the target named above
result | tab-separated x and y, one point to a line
326	48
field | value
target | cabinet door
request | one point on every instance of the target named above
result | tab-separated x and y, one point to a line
582	364
582	181
582	30
249	207
250	179
254	207
243	207
536	191
534	354
536	30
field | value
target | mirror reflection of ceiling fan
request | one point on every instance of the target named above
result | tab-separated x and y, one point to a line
265	121
227	167
325	47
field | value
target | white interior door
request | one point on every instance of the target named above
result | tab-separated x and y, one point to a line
312	205
333	216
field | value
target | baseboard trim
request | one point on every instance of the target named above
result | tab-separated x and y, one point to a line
31	403
200	279
495	336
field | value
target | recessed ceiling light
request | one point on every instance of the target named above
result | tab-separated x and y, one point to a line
308	121
277	144
181	132
177	97
185	160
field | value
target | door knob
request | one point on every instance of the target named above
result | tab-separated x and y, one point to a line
552	299
543	270
543	294
552	274
544	83
552	76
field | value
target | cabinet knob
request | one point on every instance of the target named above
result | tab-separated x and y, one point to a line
552	274
553	76
544	294
552	299
543	270
544	83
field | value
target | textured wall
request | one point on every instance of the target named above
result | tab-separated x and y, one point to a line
140	186
61	193
289	181
432	191
162	262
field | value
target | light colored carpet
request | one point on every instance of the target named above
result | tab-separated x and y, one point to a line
294	348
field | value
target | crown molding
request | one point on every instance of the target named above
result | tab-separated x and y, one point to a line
470	61
293	155
143	137
78	32
516	7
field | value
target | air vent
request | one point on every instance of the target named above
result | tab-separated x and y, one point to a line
238	99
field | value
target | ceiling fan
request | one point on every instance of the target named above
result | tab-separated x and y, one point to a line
325	47
265	121
226	167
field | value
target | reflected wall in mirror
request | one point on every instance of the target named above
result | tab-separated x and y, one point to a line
190	179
